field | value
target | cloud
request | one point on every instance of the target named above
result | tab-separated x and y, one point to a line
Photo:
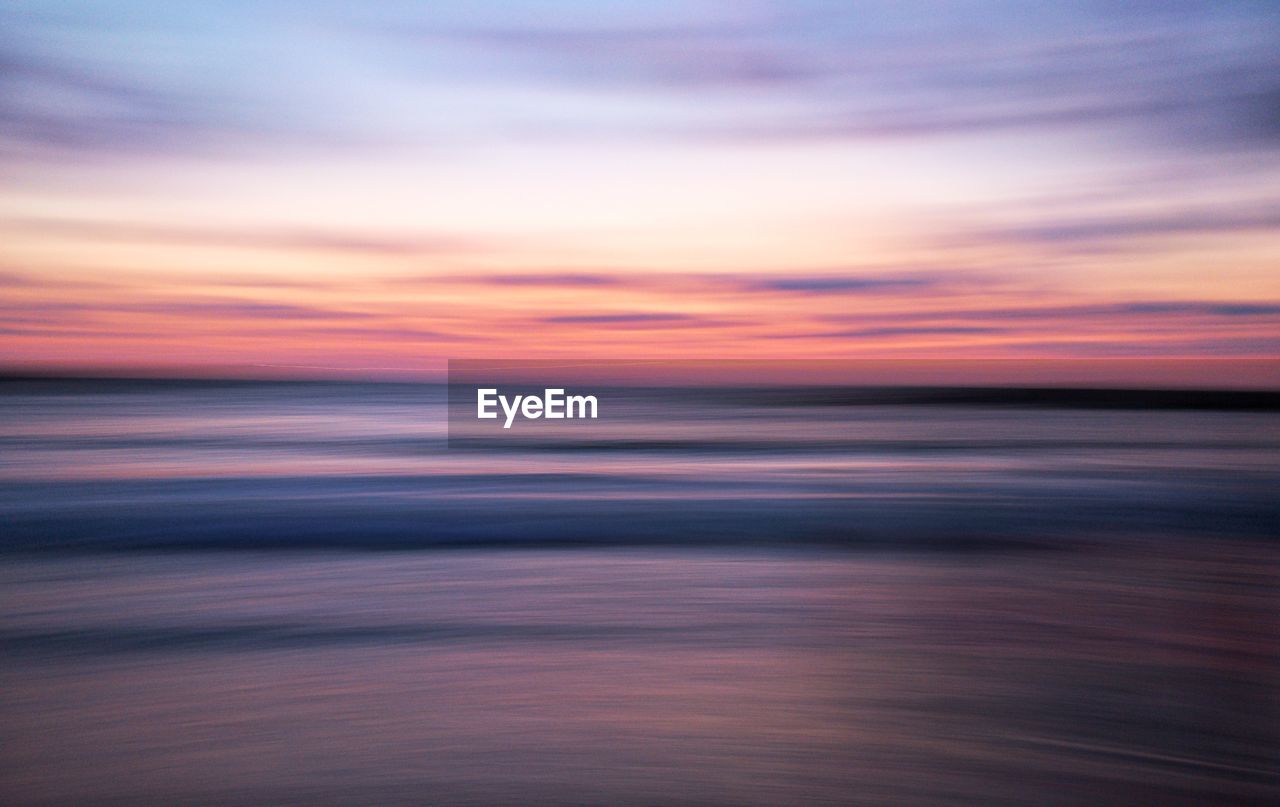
728	55
649	321
890	332
956	330
50	101
798	282
59	101
1213	309
241	310
1197	77
59	332
555	279
1246	346
224	309
618	319
960	320
1201	77
130	80
265	237
1136	308
13	280
1129	226
393	334
837	284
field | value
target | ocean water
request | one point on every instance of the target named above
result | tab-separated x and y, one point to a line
282	593
170	465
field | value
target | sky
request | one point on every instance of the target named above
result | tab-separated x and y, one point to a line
376	187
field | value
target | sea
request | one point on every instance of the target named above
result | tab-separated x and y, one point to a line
246	592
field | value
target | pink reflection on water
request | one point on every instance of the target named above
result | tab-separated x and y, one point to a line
642	677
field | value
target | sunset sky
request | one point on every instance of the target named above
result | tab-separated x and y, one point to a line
379	187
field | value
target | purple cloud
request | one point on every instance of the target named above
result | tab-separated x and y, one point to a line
851	284
617	319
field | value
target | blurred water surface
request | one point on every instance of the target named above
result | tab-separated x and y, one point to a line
106	465
747	604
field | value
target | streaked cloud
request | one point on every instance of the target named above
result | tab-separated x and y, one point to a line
838	284
247	309
264	237
1126	226
630	320
379	334
924	330
1201	75
561	279
1136	308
